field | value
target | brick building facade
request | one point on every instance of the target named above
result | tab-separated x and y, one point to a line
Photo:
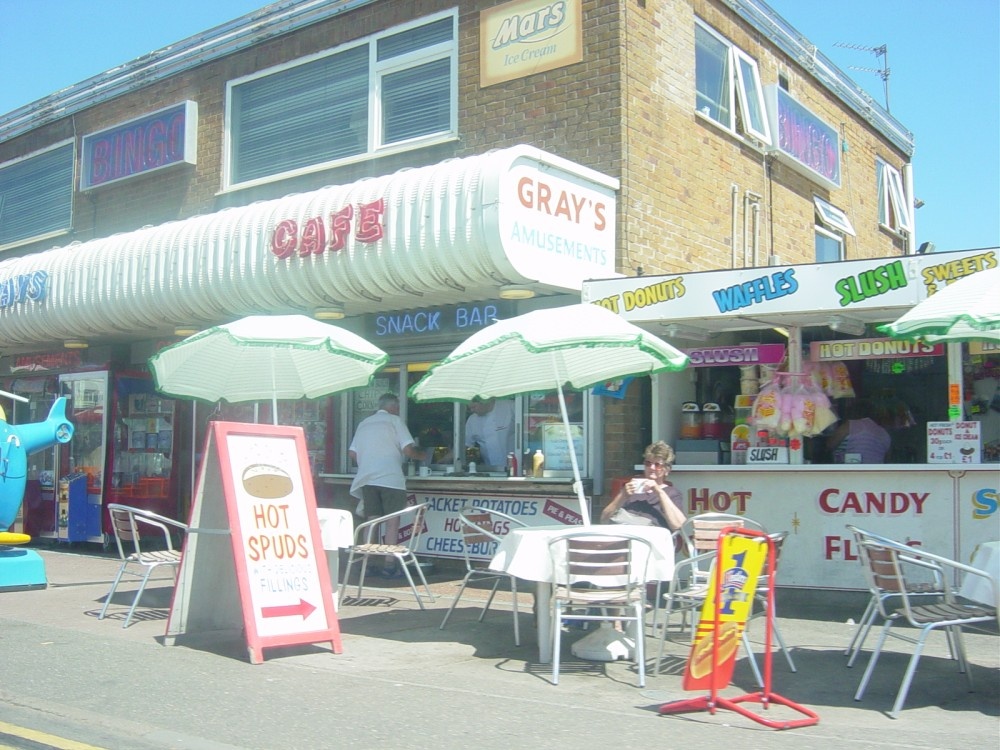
698	190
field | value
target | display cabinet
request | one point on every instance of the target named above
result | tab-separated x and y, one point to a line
312	416
142	447
80	463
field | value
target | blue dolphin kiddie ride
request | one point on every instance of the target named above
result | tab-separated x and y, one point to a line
24	568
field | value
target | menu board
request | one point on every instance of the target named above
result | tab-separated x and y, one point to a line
555	446
953	443
253	561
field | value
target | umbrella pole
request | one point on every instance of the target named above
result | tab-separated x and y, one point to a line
274	392
577	483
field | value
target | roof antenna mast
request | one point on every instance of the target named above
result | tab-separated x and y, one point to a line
883	72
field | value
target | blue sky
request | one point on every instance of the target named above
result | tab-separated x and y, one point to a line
943	56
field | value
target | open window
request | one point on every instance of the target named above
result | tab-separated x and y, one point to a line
894	212
832	225
728	86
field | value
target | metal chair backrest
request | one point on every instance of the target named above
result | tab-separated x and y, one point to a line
892	567
602	560
883	573
482	530
701	532
411	527
127	523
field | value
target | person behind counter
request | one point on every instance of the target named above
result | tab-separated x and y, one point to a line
379	445
651	500
858	438
491	426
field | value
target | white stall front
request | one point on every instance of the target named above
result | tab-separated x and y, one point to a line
938	488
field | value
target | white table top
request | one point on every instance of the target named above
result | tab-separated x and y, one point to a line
525	552
976	588
336	527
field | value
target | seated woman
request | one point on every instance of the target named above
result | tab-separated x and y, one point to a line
650	500
859	438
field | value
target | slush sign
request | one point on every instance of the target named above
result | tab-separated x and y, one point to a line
139	146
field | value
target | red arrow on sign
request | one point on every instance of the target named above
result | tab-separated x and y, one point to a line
303	608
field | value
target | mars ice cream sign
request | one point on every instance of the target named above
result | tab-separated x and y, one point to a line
556	221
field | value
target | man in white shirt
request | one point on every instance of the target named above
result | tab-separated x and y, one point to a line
380	444
491	427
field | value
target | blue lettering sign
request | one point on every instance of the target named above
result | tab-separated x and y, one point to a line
437	320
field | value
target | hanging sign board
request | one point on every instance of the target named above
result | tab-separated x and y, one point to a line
254	559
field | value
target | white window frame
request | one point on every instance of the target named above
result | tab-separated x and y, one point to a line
828	236
47	204
743	87
894	212
377	71
833	217
382	69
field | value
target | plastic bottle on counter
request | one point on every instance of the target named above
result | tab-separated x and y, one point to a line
538	463
512	465
526	463
472	467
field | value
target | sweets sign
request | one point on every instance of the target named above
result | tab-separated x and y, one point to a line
274	556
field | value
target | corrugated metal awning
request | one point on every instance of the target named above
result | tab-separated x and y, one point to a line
446	233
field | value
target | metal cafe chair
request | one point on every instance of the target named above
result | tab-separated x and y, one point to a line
482	526
890	567
600	575
884	590
368	542
138	557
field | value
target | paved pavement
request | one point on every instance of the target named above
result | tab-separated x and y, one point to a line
403	682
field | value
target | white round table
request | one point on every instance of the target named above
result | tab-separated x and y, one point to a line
525	554
337	531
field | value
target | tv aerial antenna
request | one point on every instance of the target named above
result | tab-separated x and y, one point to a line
883	72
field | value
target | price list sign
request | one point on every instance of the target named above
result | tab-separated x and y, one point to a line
953	443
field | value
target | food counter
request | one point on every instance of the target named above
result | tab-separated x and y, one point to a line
536	501
947	509
936	401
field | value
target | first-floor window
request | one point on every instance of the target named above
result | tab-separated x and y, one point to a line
894	211
829	246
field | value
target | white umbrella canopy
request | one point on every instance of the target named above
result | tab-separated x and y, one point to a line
263	357
576	345
966	310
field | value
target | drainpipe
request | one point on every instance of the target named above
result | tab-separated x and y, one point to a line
735	191
911	241
751	202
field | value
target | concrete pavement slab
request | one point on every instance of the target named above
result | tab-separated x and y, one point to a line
404	681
